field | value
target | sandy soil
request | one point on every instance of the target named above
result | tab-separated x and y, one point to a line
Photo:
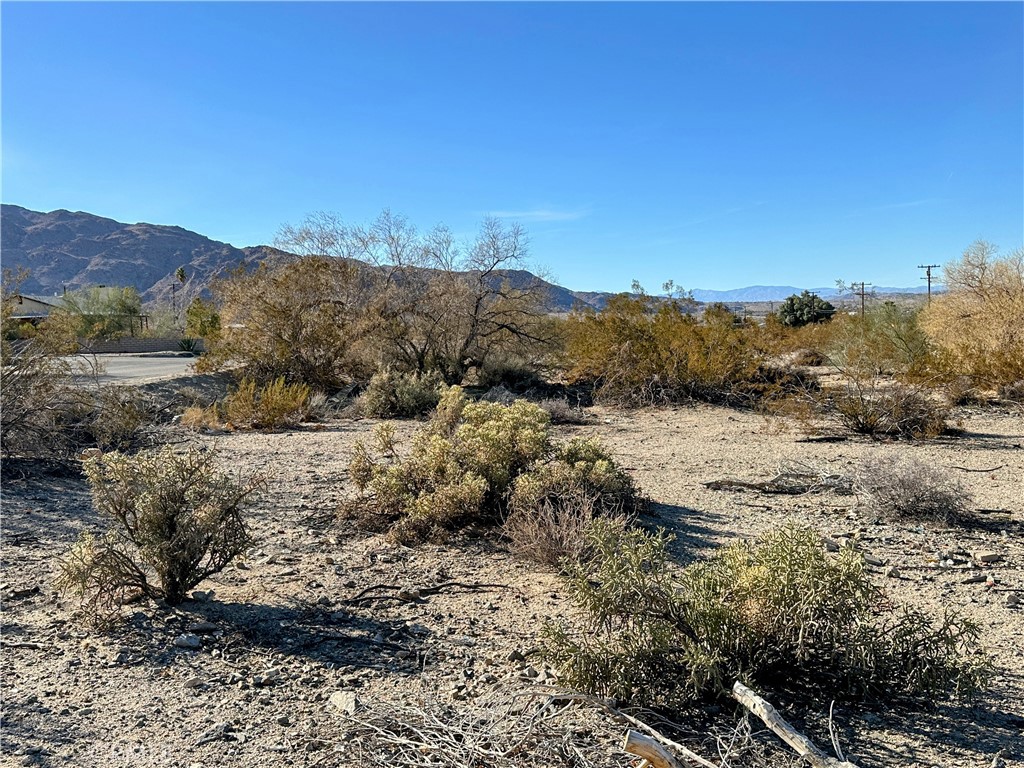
282	634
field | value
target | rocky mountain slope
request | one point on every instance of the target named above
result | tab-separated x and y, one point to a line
74	249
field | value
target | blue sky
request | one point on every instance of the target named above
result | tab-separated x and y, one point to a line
720	145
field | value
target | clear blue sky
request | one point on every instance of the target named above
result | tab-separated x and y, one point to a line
720	145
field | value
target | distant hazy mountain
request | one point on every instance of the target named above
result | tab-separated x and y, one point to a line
74	249
781	293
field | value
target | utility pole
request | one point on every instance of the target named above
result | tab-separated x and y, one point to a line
862	293
928	276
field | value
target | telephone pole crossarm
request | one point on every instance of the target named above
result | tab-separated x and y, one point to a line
928	276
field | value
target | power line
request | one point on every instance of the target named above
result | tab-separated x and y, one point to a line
862	293
928	276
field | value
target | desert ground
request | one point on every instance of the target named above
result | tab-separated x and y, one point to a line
273	662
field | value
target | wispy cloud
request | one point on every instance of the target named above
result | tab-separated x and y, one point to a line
924	201
908	204
541	214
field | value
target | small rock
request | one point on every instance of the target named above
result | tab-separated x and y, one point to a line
195	682
873	560
267	678
831	545
409	595
202	597
1012	600
529	672
516	655
288	572
284	720
190	641
344	701
892	572
203	627
464	640
975	579
987	556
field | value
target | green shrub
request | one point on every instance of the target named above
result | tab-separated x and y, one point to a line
272	406
778	611
804	309
581	466
174	521
466	467
401	395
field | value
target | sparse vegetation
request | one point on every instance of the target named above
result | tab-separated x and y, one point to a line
641	351
175	520
272	406
978	324
869	406
469	466
364	299
391	394
769	612
907	489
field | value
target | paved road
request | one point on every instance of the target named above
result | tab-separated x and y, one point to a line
132	369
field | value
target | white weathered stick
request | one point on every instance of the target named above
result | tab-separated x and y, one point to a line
650	750
804	746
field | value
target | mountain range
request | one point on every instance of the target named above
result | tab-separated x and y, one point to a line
69	250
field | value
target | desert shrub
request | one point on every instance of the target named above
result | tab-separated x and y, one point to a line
775	611
44	413
560	412
1013	391
962	390
553	529
905	488
464	467
807	356
511	373
175	520
804	309
202	417
871	407
639	351
577	467
978	324
888	339
119	416
271	406
391	394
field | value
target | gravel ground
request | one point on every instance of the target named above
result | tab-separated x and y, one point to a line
281	646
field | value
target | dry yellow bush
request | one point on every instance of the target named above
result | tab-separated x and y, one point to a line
978	325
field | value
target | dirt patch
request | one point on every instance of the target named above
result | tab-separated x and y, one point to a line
283	630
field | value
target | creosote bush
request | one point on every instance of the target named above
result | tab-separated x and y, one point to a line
470	465
776	611
977	325
391	394
640	351
907	489
175	520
